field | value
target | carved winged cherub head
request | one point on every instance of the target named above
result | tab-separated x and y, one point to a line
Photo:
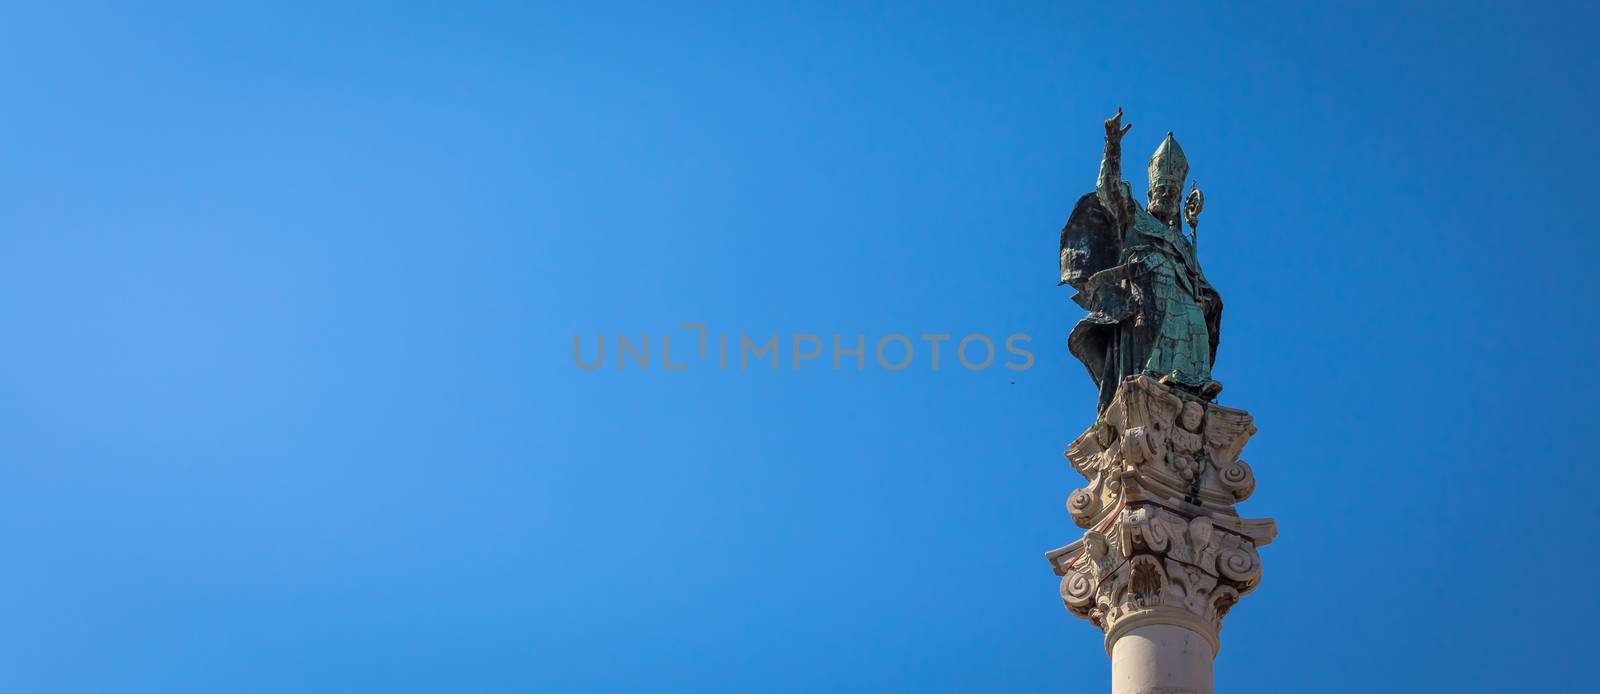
1168	169
1192	414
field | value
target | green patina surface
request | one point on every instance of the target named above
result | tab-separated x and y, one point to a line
1150	309
1181	347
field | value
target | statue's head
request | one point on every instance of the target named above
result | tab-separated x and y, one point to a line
1192	414
1168	169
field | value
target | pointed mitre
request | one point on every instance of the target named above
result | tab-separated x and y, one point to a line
1168	163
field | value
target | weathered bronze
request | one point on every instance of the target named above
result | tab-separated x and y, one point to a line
1151	310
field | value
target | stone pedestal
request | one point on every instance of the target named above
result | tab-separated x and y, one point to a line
1164	556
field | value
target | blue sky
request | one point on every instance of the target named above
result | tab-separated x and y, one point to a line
290	292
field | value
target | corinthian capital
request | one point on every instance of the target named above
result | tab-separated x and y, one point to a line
1163	544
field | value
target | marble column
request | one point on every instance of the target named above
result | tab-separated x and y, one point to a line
1161	658
1164	555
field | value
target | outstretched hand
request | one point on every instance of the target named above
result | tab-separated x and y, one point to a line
1114	127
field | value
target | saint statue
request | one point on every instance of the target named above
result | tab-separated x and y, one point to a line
1151	310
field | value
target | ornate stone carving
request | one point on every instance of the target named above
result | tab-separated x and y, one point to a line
1162	542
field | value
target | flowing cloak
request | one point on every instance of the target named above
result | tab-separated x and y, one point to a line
1150	309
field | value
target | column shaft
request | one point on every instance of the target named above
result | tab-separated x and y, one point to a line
1161	659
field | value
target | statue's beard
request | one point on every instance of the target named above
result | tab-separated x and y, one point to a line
1162	208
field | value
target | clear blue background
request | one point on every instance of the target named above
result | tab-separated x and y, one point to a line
288	401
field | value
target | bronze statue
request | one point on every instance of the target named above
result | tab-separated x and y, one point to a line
1151	310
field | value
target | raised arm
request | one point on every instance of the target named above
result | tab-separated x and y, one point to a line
1109	187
